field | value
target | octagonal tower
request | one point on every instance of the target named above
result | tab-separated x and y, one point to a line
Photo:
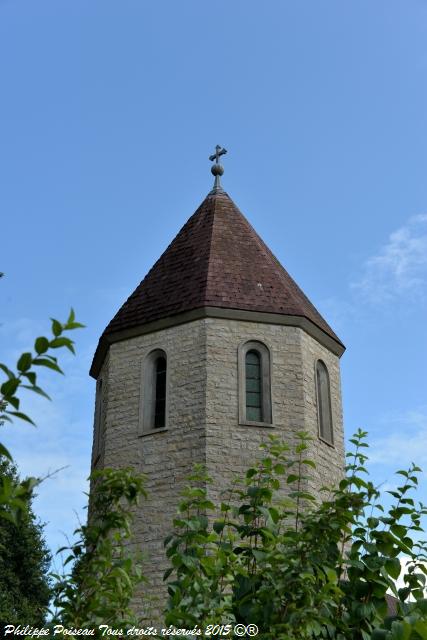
215	349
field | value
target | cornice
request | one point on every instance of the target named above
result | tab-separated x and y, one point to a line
301	322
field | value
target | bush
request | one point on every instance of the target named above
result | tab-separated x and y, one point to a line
24	564
298	568
104	571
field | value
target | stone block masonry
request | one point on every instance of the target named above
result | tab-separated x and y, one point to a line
203	418
231	448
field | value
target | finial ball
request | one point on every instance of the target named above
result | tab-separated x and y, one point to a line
217	169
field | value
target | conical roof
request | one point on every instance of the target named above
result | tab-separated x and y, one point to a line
216	260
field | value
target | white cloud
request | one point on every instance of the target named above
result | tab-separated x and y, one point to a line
21	332
337	312
400	267
405	442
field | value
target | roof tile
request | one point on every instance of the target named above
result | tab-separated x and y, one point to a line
216	260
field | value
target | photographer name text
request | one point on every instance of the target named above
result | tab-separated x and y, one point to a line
216	631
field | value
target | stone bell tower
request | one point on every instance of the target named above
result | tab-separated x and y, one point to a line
215	349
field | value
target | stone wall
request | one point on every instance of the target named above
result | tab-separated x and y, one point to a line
232	447
203	420
165	457
329	459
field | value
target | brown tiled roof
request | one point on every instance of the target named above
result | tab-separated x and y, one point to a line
216	260
392	605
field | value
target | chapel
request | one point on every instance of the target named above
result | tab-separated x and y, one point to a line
215	349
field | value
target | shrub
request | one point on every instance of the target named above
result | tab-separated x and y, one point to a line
296	567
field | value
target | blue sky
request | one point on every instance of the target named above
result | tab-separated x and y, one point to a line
108	113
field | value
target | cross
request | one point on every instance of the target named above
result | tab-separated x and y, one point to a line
218	152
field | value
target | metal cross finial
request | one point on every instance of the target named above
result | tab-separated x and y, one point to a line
217	169
218	152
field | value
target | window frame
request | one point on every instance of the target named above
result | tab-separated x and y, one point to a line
98	421
266	386
321	436
147	404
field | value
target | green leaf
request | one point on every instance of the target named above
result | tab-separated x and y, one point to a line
14	401
373	523
218	526
62	342
420	627
393	567
41	345
259	555
422	604
56	327
301	447
395	494
9	516
379	634
24	362
291	478
44	362
400	630
309	463
5	452
7	371
274	514
9	387
37	390
74	325
71	322
31	376
403	473
279	469
254	491
404	593
167	573
21	416
399	530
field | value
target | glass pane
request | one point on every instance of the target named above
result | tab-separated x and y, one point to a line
253	371
159	416
253	399
252	357
98	415
253	386
324	402
254	414
160	398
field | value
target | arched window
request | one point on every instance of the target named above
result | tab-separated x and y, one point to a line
254	384
97	440
160	394
324	409
154	401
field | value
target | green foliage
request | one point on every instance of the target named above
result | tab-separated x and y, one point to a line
298	567
14	496
24	562
105	572
24	375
